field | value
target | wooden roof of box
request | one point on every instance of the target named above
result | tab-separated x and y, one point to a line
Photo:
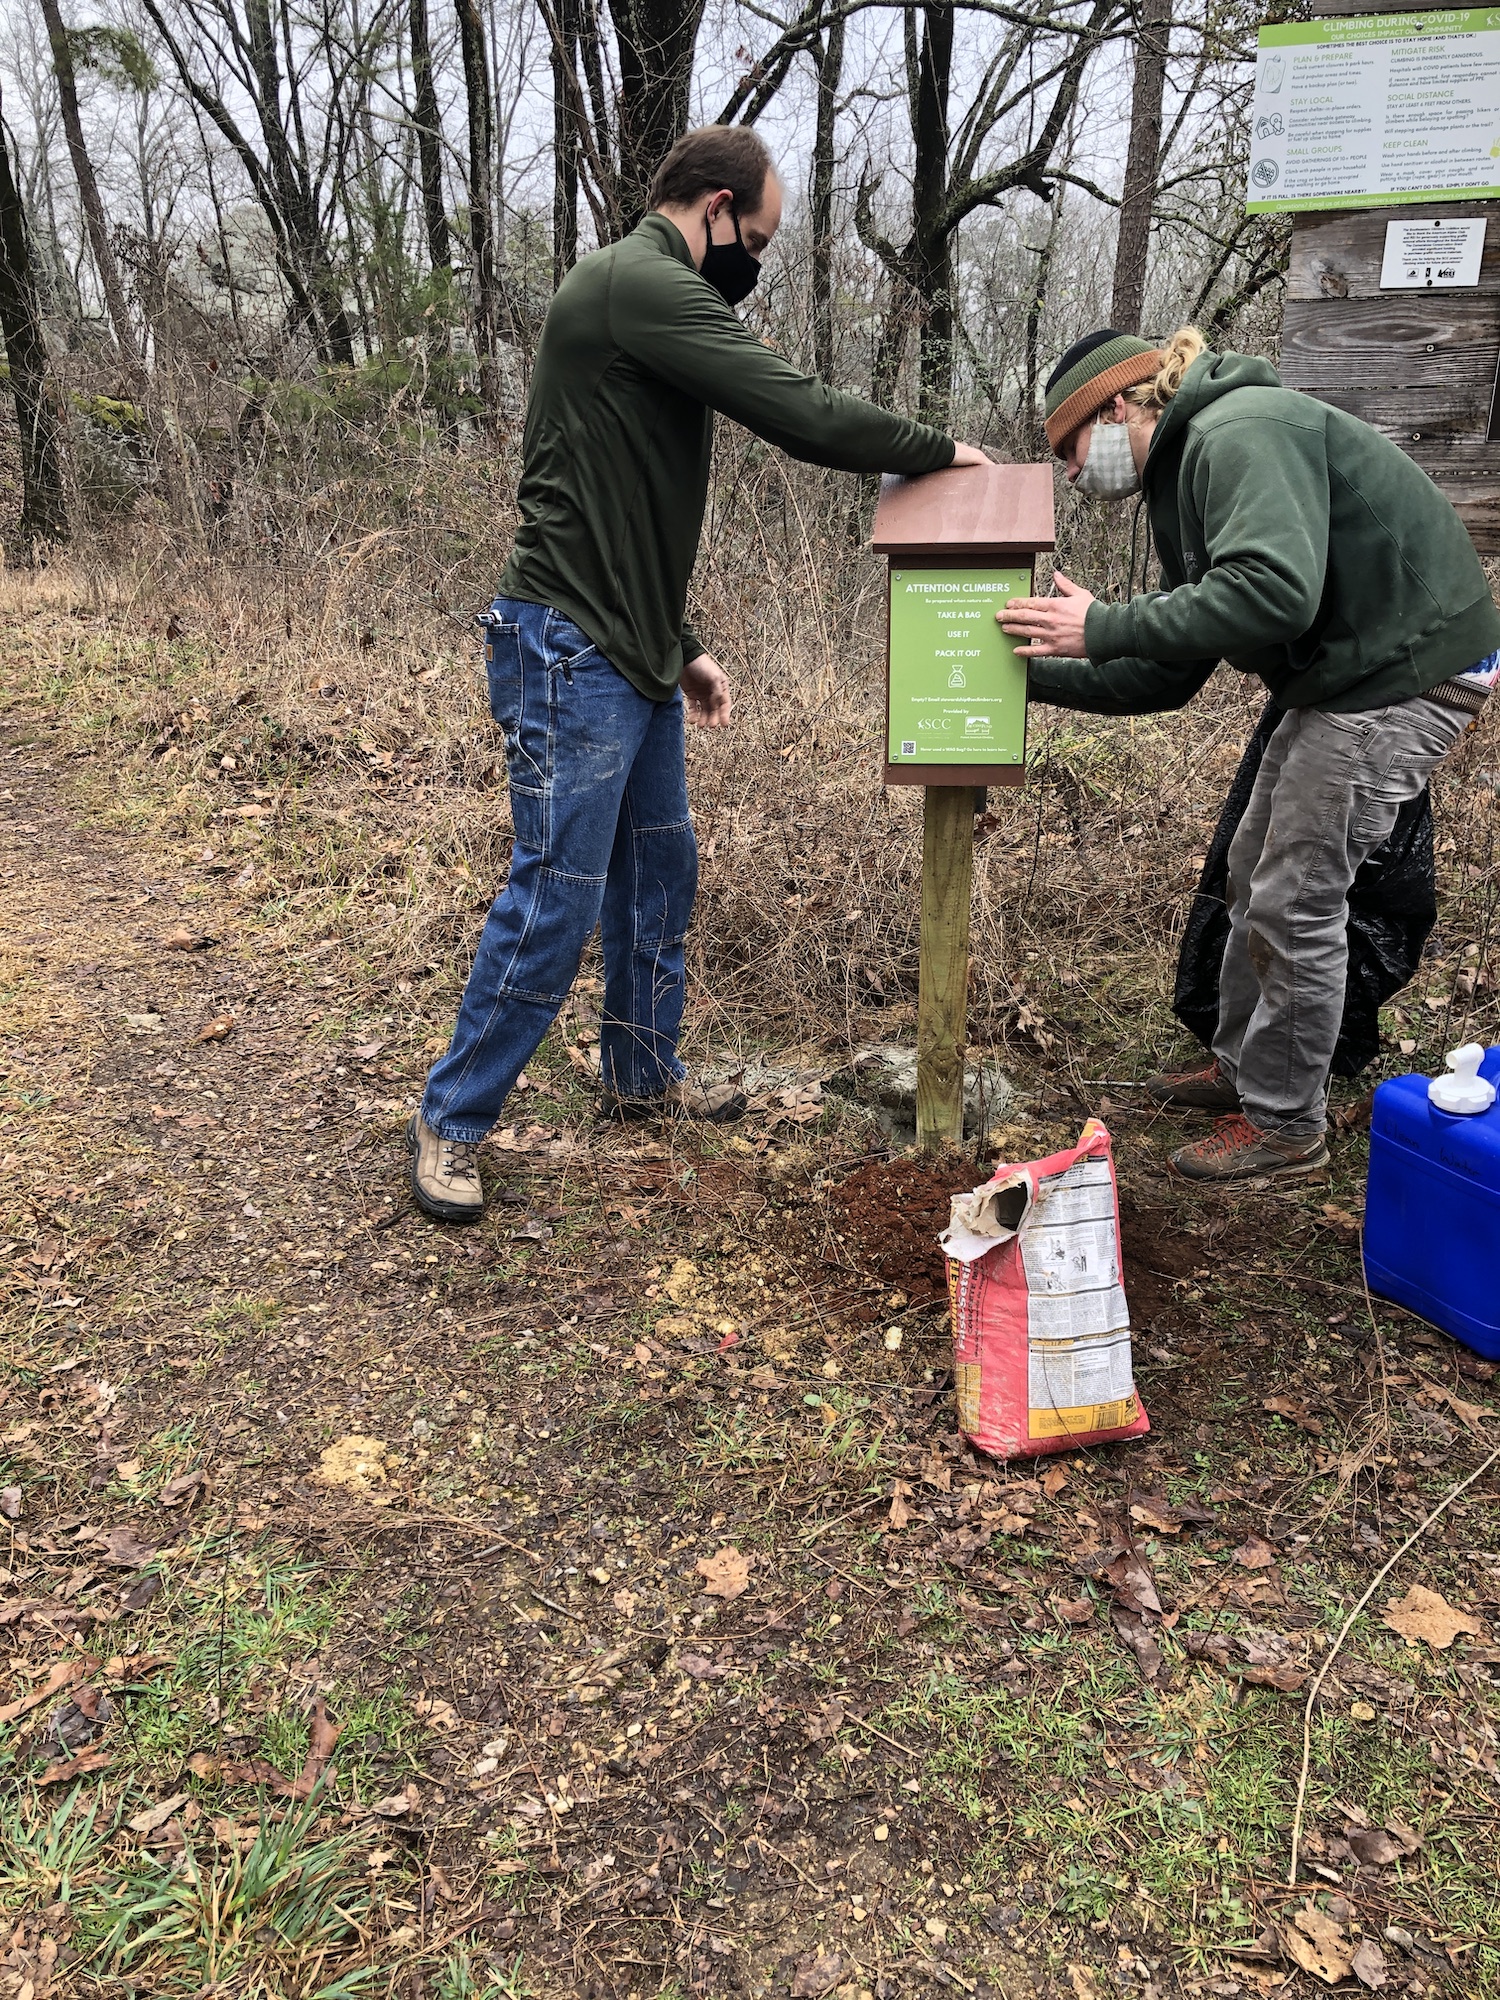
968	510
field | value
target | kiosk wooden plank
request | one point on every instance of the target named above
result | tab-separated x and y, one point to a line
1420	366
1339	256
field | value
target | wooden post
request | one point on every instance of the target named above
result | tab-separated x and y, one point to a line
961	543
943	989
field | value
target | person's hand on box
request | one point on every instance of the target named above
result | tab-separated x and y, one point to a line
1051	626
969	454
706	690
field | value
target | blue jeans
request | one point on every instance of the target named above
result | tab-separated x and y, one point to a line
598	795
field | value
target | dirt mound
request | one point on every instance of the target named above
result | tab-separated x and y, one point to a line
1154	1252
889	1214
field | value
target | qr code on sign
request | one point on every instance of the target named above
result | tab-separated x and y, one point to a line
908	749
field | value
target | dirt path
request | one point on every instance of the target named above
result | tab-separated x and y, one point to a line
579	1527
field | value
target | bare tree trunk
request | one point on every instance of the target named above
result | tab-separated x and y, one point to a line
484	280
88	189
565	141
890	348
830	69
44	511
1141	164
429	140
656	40
1036	305
933	263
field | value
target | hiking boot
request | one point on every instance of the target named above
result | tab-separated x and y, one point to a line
444	1174
1194	1090
1236	1150
714	1103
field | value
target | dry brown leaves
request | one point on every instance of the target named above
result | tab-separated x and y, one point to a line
726	1574
1295	1411
185	1490
1253	1553
1265	1661
323	1734
124	1547
1379	1846
1321	1946
155	1817
1162	1517
64	1674
1425	1614
66	1769
816	1974
1318	1944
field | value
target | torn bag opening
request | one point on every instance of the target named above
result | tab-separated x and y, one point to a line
1392	908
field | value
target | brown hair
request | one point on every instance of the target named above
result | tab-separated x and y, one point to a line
1178	356
714	157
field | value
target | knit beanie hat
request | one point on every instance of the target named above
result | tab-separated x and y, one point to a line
1092	371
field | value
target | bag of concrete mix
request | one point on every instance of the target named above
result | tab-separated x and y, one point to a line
1041	1332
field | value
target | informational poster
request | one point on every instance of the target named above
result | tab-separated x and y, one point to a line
958	692
1434	253
1376	109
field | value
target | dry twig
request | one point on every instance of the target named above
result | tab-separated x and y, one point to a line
1348	1626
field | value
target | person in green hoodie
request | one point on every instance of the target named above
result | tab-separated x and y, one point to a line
589	653
1299	545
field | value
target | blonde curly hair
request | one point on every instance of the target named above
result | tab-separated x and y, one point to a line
1179	354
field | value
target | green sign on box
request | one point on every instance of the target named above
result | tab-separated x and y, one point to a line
957	690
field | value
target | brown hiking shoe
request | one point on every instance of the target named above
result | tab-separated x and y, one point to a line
1194	1090
1236	1150
444	1174
715	1103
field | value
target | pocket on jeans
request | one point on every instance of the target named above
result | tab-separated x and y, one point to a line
1358	722
502	667
1429	732
568	645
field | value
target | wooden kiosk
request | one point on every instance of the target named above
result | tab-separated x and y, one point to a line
1393	289
959	544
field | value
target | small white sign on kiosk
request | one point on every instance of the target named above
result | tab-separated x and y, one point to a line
1437	253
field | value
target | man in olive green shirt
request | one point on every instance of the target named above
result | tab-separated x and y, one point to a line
588	650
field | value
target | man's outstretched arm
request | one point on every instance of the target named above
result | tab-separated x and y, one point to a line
668	319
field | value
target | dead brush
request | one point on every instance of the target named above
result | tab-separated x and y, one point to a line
312	706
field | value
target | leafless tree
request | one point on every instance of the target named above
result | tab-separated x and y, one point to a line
1141	163
95	221
292	170
948	180
44	513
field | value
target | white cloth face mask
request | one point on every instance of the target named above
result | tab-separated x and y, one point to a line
1109	472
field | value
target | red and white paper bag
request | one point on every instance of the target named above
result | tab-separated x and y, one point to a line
1041	1331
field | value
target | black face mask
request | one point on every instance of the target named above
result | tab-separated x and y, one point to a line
729	267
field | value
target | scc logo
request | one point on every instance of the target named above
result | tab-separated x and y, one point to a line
943	722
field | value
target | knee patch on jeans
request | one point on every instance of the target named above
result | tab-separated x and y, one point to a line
593	883
664	893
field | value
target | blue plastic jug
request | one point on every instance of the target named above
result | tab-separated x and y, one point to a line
1432	1210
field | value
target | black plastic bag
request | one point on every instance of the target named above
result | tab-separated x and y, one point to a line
1392	909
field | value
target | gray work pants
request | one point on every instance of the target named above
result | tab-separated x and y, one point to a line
1327	794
